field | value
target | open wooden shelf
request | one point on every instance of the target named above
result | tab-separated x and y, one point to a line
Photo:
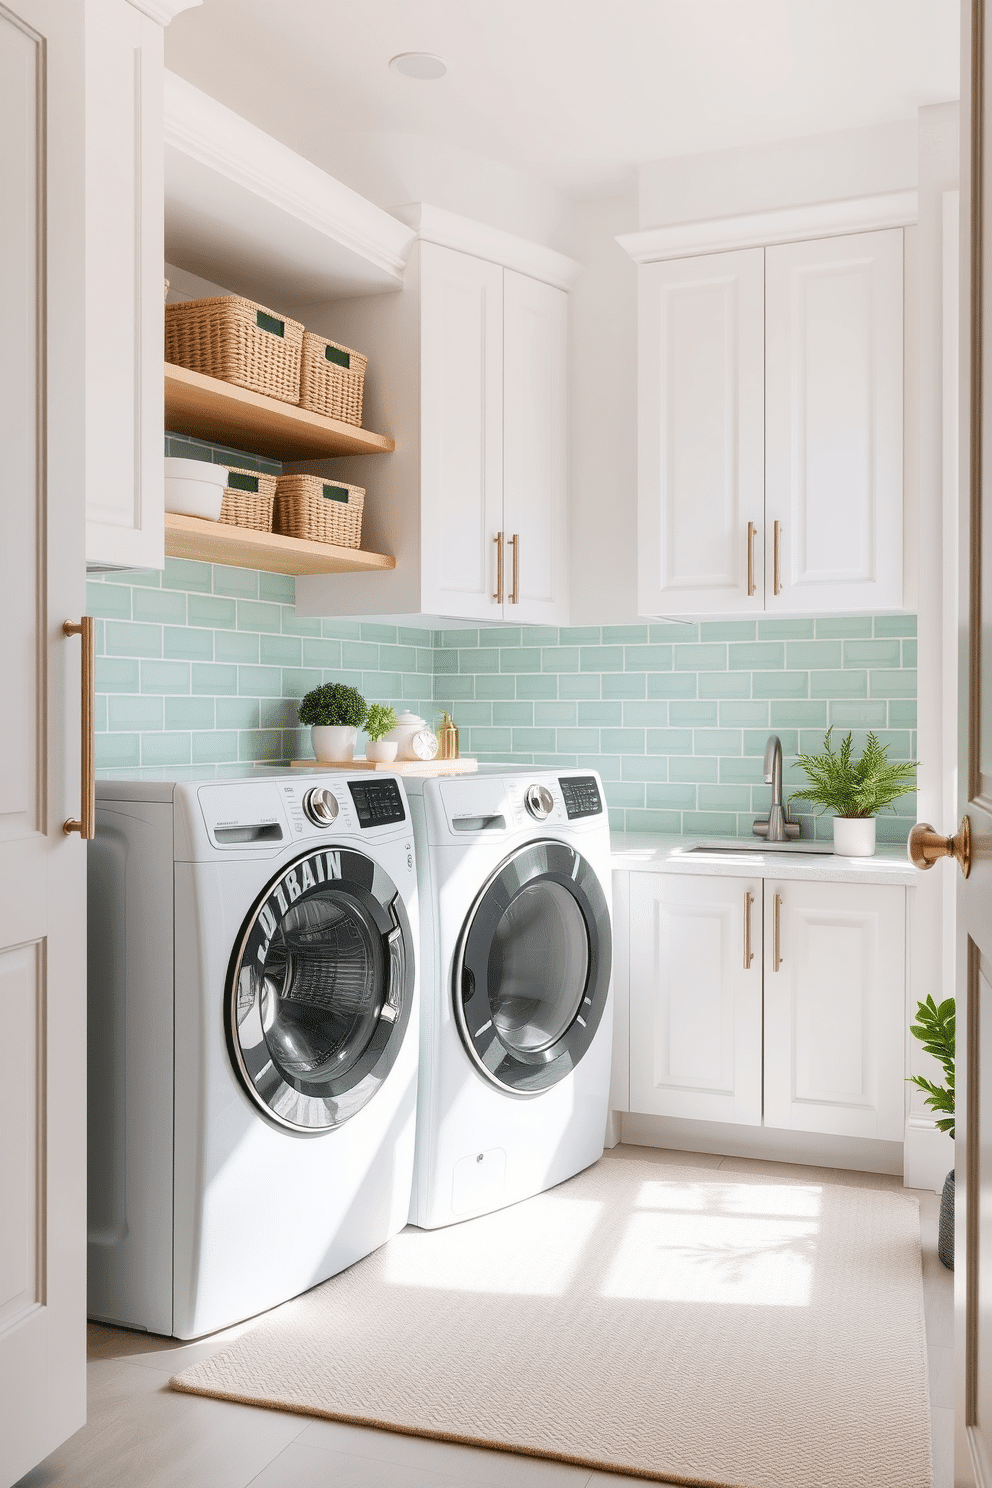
210	409
218	542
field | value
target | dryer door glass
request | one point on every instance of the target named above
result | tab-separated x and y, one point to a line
320	990
532	972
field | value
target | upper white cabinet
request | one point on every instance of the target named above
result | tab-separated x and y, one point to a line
468	372
833	424
771	428
123	471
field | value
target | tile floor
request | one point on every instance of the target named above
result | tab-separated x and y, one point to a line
141	1434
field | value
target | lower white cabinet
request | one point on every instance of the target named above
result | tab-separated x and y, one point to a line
695	1007
779	1003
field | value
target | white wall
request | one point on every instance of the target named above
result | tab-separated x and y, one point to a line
784	173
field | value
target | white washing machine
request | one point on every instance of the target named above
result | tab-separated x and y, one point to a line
253	1040
516	1025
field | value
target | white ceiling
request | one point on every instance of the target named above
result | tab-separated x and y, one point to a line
576	92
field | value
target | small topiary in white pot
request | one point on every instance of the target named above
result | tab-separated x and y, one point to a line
380	719
334	713
855	790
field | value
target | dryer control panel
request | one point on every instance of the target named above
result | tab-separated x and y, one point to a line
377	802
581	795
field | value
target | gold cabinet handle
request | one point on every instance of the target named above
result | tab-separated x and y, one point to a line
515	591
777	957
498	540
748	953
926	846
751	585
776	545
86	826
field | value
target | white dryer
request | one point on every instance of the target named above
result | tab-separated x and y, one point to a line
516	964
253	1043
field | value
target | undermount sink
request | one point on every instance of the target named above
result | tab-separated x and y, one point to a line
759	845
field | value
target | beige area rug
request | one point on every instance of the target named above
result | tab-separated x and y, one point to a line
676	1324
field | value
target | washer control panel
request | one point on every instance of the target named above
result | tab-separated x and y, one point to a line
581	794
377	802
539	802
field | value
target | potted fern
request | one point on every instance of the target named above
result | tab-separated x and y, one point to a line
855	790
381	718
335	713
935	1028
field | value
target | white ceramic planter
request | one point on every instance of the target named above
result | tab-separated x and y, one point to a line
333	746
854	836
383	751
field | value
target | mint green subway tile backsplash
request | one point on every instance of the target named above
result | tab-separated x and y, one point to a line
203	664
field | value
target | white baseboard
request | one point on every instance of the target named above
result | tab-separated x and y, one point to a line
929	1154
859	1154
613	1121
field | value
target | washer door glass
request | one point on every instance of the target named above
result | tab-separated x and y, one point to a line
532	972
320	990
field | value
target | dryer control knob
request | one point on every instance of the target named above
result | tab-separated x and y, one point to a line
539	802
321	806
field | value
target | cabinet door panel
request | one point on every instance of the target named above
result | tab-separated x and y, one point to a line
462	431
701	433
535	351
695	1012
125	491
835	1009
834	389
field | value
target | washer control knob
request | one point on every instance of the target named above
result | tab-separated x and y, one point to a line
321	806
539	802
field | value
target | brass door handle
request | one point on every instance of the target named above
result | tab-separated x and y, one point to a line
748	953
926	846
498	540
776	547
515	591
777	957
751	585
86	826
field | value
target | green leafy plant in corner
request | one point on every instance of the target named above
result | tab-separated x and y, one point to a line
934	1027
333	706
852	787
381	718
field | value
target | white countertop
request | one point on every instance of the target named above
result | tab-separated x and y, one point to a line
651	852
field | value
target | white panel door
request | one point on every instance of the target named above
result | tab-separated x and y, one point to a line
834	434
42	872
835	1008
125	493
461	410
535	450
695	999
701	434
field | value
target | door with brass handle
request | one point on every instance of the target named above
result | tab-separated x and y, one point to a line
748	952
751	585
498	540
777	558
86	824
515	591
927	847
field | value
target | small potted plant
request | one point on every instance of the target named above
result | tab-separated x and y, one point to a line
934	1027
380	719
856	790
334	713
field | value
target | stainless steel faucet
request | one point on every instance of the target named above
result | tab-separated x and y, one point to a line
776	826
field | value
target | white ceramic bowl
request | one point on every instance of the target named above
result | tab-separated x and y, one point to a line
194	487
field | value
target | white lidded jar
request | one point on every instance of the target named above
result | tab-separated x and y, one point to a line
415	740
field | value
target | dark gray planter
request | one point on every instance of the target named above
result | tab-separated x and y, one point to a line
945	1225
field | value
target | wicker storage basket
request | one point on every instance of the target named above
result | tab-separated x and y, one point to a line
332	379
319	510
236	341
249	499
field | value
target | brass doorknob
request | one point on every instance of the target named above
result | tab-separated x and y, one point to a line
926	846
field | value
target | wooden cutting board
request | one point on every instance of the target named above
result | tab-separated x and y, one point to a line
395	767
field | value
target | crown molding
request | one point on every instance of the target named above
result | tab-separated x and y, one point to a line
760	229
164	11
449	230
205	140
